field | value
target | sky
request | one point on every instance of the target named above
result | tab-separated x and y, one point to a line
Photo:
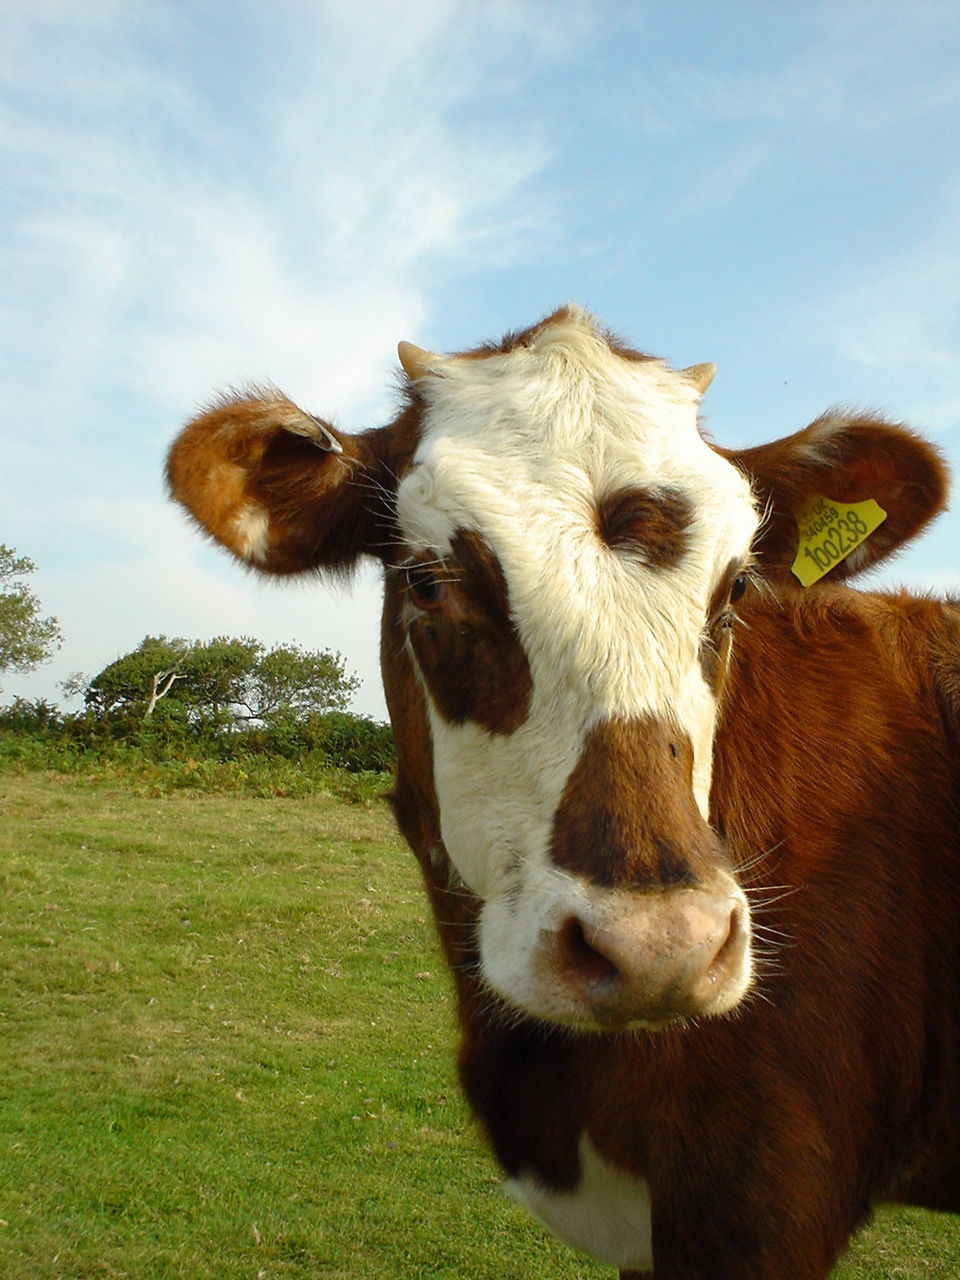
201	194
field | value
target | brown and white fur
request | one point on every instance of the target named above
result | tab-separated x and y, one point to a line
689	831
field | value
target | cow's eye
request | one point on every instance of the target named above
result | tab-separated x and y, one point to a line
738	588
426	587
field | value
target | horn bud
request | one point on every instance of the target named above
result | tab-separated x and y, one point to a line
700	375
414	360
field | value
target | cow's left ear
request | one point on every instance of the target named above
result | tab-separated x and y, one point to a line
282	490
846	459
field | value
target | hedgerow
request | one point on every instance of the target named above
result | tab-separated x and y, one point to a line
335	753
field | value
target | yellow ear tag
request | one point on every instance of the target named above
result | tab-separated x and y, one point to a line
829	531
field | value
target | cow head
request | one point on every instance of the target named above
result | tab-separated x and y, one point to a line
565	553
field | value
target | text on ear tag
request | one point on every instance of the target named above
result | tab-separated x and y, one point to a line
829	531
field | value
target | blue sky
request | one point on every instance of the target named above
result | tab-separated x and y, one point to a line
198	195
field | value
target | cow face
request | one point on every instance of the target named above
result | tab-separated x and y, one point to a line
572	545
564	552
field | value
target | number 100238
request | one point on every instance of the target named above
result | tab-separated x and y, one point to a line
829	531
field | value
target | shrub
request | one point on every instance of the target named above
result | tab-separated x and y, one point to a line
353	742
26	716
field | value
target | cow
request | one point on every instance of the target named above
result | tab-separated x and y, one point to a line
687	824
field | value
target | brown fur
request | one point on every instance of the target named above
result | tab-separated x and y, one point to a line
468	650
603	829
766	1136
651	522
323	508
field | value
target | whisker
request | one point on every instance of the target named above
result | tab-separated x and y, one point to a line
788	892
768	931
757	859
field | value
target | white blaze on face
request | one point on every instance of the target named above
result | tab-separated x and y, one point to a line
522	447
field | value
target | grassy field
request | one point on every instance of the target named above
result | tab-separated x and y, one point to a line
226	1048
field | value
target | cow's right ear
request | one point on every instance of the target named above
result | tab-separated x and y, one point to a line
281	489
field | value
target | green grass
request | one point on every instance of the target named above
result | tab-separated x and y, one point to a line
226	1050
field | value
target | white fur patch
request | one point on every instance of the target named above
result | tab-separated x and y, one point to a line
607	1217
252	527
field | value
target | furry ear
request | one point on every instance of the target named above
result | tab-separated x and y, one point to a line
280	489
846	458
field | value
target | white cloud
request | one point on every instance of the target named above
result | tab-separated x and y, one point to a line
899	324
181	222
907	312
158	251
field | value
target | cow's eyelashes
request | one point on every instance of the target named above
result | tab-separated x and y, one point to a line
426	587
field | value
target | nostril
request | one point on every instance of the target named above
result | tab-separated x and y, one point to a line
660	956
579	961
728	952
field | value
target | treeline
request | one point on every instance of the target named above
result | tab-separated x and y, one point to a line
353	742
220	714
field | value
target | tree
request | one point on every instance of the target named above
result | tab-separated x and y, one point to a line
292	682
26	639
221	683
